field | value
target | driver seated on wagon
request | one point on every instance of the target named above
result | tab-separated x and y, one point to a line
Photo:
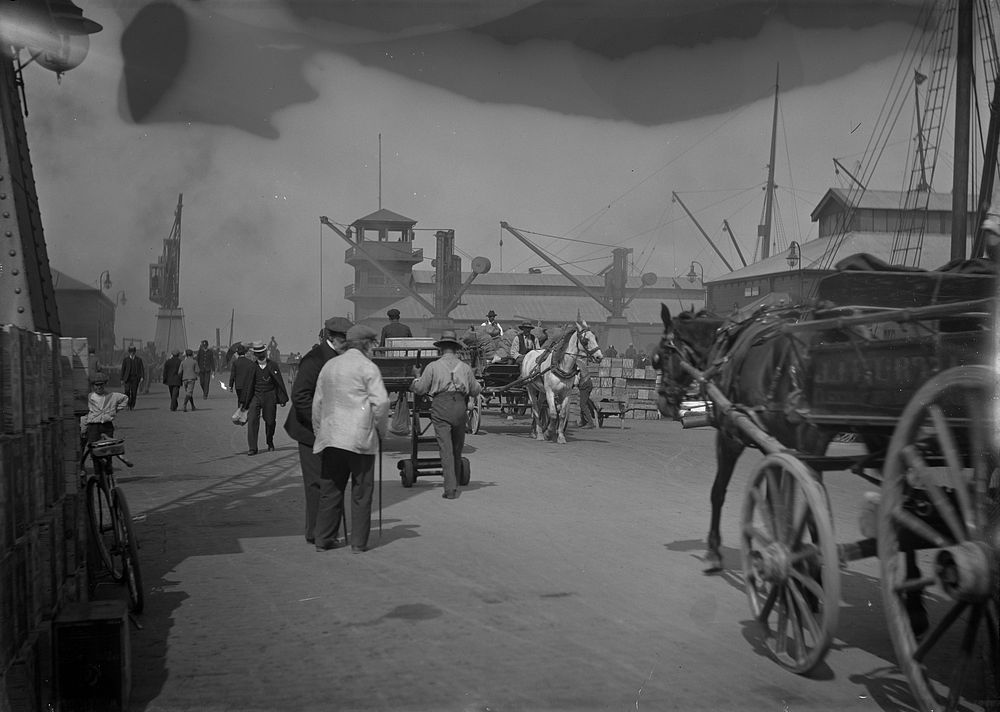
513	349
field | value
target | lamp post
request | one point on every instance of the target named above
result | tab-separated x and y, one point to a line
794	259
104	281
120	298
692	275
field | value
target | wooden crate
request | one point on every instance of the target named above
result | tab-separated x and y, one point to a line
8	497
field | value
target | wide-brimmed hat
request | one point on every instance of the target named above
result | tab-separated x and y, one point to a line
448	338
258	347
338	325
360	332
393	313
525	325
491	313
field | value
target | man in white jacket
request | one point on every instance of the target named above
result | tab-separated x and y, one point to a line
350	415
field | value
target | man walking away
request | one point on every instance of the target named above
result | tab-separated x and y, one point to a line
189	376
298	425
133	374
394	329
263	390
172	376
451	382
239	369
350	415
206	366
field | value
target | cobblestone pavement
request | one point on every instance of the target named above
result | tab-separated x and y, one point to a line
563	578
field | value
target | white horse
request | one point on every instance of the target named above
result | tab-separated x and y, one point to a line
554	371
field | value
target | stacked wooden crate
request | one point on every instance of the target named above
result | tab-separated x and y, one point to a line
43	390
620	381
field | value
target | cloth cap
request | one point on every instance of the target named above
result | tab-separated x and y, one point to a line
258	347
100	377
491	313
393	313
448	338
338	325
360	332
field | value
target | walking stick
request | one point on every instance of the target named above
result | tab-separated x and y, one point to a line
380	490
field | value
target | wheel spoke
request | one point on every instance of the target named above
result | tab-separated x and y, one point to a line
965	655
795	619
781	635
954	469
916	462
918	527
805	614
756	533
801	518
767	515
993	631
765	610
943	625
808	582
914	584
773	497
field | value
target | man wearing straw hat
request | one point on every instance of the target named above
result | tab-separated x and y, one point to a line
450	382
263	390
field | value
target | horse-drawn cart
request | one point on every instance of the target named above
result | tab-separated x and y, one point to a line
917	384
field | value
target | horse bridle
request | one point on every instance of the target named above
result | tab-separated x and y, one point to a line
588	352
671	388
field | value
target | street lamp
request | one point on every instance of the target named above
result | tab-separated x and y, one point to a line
794	257
692	275
104	280
120	298
54	32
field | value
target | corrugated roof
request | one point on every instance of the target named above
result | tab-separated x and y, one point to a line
548	309
936	252
383	215
879	200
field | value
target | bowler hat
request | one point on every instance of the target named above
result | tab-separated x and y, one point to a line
393	313
448	338
360	332
337	325
491	313
131	348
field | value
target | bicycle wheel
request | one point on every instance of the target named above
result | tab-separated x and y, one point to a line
103	531
129	551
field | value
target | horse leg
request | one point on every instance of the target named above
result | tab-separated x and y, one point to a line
536	415
727	451
554	416
563	420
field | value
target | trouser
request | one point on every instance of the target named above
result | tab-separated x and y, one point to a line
448	416
205	378
189	391
131	390
266	404
174	392
587	408
312	470
337	467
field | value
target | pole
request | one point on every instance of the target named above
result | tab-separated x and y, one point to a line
764	229
380	490
963	98
703	233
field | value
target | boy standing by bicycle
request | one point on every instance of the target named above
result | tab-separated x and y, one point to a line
102	407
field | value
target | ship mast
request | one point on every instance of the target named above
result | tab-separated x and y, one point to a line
764	229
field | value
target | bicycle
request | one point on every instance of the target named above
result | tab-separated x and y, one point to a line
110	517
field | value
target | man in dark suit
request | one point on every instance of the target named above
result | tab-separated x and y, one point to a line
133	373
298	425
238	370
172	376
205	358
263	389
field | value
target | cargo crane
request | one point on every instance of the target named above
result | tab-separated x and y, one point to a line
164	289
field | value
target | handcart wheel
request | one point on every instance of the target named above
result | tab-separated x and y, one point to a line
790	561
407	473
940	494
475	416
466	474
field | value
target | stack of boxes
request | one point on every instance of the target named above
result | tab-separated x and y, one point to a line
620	381
43	390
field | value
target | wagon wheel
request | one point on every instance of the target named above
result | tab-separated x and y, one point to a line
790	561
475	415
407	473
939	493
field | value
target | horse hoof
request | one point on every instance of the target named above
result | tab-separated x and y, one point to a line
561	440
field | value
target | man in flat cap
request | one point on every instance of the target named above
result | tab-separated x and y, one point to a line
298	425
350	416
450	382
394	328
263	389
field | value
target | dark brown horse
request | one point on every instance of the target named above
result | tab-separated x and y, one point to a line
762	371
757	368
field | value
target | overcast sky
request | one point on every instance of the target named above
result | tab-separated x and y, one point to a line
567	119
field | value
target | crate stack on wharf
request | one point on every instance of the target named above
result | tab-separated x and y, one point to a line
622	389
44	382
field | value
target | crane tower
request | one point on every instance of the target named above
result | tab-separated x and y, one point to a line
164	289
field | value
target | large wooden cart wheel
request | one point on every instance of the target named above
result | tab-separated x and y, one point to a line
475	415
939	494
790	561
